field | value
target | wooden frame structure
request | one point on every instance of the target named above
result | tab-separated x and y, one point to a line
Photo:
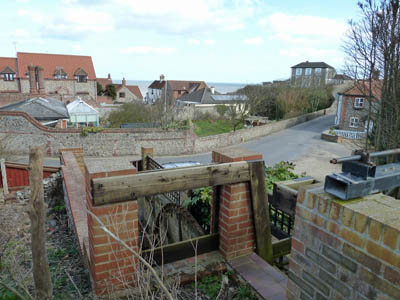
130	187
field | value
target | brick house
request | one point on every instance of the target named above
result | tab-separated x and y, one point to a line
175	89
125	93
353	107
311	74
63	77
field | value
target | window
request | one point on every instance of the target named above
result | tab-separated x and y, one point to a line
317	70
298	71
81	78
359	102
353	122
308	71
60	76
122	95
8	76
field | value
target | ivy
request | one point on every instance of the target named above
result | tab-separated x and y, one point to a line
199	204
86	130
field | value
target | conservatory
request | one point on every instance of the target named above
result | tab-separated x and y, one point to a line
82	114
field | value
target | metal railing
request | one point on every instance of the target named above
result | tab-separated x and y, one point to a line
281	223
151	164
352	135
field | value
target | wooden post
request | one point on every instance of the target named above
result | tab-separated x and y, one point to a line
262	223
146	152
4	176
37	214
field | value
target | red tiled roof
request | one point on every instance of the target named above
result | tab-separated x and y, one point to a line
133	88
8	62
50	62
104	81
361	88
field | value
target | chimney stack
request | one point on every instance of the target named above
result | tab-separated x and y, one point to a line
212	90
123	81
32	81
42	89
109	76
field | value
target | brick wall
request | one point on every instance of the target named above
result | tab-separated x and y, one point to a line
23	132
345	249
235	220
112	267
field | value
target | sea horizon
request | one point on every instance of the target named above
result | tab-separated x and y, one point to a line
221	87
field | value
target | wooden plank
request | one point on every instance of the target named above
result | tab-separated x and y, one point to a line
262	224
282	247
4	176
184	249
122	188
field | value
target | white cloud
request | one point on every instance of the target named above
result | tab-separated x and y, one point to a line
76	47
254	41
209	42
303	29
146	50
186	17
193	41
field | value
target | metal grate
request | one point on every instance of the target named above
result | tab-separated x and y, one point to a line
175	197
281	223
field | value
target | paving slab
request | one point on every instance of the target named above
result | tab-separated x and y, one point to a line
268	281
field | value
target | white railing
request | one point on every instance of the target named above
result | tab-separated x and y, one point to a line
352	135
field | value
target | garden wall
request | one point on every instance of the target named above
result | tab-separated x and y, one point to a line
23	131
345	249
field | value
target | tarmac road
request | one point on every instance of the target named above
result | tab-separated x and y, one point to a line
287	145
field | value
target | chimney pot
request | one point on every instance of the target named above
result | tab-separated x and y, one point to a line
123	81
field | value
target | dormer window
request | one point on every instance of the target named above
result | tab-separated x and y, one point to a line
60	73
7	74
81	75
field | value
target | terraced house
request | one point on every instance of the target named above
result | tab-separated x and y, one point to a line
63	77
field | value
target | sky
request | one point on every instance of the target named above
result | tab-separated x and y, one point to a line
236	41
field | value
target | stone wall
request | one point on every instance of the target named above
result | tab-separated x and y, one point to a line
345	249
23	131
8	85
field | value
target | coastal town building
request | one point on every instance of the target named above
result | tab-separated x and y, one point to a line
311	74
124	93
62	77
49	112
172	89
352	111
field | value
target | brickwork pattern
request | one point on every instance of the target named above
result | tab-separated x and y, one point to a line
345	250
235	220
112	266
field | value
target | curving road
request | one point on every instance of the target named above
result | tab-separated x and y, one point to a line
287	145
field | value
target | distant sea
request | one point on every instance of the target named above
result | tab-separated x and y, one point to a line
221	87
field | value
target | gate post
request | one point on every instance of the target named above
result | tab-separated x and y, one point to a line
235	218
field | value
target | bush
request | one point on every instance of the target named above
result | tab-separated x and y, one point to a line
221	110
130	113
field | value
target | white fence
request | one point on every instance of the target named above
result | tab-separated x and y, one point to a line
352	135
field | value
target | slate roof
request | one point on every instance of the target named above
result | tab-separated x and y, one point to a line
40	108
78	107
309	64
204	96
341	77
10	62
50	62
157	84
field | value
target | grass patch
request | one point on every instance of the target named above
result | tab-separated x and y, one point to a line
213	127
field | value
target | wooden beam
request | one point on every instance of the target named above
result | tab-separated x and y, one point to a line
260	211
129	187
4	176
181	250
282	247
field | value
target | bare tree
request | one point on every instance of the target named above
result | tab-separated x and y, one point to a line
373	51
